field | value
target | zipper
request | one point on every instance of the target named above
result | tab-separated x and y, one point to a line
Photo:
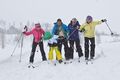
37	34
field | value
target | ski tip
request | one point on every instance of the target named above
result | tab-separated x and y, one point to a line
31	66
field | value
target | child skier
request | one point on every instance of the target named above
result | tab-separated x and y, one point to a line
89	35
37	32
53	44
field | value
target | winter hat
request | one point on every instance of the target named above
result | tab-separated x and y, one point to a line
37	25
89	19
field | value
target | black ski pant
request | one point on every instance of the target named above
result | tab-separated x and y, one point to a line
78	48
65	43
34	45
89	42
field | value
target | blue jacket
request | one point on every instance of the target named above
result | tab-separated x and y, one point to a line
64	28
73	31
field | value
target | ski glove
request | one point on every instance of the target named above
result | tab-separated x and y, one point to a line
24	32
104	20
78	27
26	28
82	30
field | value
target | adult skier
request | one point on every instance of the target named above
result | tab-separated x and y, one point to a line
37	33
61	30
89	36
74	37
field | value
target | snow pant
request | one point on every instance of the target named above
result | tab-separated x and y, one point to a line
65	43
90	41
34	45
58	54
78	48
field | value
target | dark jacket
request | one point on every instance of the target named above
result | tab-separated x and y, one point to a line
73	31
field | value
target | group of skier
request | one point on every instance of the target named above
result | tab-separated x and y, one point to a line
62	34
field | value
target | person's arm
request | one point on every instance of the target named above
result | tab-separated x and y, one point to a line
53	30
82	28
66	28
43	32
28	33
78	25
99	22
69	27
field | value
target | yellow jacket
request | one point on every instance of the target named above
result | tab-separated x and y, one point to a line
90	28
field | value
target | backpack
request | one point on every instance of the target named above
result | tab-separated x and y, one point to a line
47	35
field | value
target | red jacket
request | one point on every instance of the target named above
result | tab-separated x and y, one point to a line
37	33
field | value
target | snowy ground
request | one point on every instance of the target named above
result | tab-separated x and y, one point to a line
105	67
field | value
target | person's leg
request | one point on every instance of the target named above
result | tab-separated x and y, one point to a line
65	43
60	45
79	49
72	49
34	45
92	52
50	54
42	51
58	54
86	48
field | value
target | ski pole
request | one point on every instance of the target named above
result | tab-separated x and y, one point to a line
109	28
21	49
71	34
26	29
16	45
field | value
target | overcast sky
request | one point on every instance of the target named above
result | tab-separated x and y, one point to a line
50	10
